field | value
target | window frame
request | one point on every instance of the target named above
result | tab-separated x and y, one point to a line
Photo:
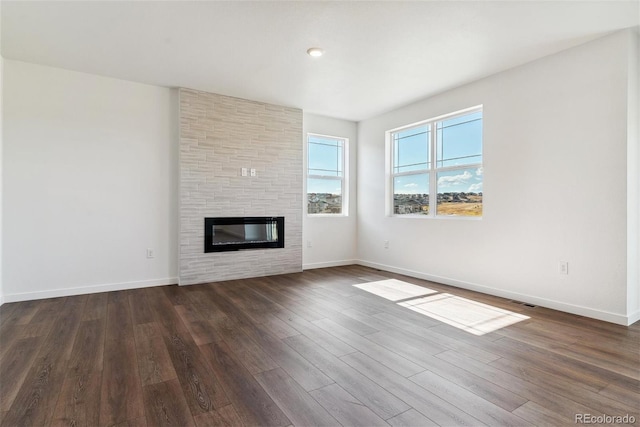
343	179
431	170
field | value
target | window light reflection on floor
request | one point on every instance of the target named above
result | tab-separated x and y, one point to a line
395	290
470	316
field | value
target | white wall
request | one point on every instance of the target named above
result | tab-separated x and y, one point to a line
555	147
1	192
633	180
332	238
1	169
90	182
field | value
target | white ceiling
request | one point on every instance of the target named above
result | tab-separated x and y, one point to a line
379	55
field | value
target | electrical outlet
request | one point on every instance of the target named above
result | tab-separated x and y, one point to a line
253	172
151	253
563	267
244	171
386	244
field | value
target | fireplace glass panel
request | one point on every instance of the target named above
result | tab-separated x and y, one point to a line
230	234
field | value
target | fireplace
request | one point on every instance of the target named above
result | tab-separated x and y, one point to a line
239	233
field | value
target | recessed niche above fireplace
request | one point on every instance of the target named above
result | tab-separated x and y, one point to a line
239	233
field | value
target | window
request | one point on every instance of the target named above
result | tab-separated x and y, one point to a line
437	160
326	190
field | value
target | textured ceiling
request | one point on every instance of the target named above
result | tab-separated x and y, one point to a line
379	55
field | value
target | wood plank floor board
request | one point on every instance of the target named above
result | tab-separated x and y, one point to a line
79	401
621	363
35	401
6	313
119	317
165	405
565	408
570	390
299	368
199	327
319	304
539	415
176	295
261	302
389	329
346	408
380	400
467	401
121	393
15	367
24	312
424	401
411	350
489	391
295	365
384	306
12	335
141	310
137	422
154	362
622	395
48	310
278	327
199	300
202	390
434	336
527	356
297	404
88	348
250	400
392	360
353	324
222	417
291	304
96	307
566	367
31	330
410	418
261	310
304	349
333	345
250	354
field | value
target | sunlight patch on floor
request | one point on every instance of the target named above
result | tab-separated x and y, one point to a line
394	290
471	316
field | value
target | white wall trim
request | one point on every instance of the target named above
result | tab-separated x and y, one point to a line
326	264
633	318
108	287
619	319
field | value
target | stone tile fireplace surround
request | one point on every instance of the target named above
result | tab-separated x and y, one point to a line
220	135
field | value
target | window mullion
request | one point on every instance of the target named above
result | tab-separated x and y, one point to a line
450	168
433	185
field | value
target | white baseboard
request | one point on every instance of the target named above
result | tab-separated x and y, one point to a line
329	264
619	319
634	317
65	292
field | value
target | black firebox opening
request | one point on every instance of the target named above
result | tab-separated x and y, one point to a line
236	233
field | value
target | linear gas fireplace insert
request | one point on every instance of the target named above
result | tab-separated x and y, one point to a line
236	233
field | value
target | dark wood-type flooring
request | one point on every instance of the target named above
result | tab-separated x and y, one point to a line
305	349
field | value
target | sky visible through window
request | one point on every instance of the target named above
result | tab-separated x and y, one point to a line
325	159
458	142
